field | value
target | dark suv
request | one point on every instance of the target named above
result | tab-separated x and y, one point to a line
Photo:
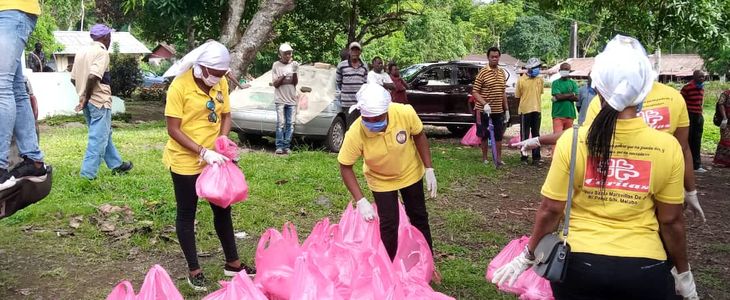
439	93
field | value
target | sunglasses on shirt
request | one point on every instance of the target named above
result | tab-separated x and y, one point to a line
210	105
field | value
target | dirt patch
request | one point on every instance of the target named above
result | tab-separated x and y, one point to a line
145	111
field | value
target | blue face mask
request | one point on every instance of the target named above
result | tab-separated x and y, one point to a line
533	72
375	126
700	85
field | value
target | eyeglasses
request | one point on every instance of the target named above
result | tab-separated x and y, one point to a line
212	117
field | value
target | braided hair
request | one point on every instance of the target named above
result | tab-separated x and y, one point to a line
600	141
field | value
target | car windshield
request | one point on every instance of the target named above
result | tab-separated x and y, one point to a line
411	71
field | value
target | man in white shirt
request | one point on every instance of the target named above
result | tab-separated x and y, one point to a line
379	77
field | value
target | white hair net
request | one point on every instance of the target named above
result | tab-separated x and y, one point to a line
372	100
212	54
622	73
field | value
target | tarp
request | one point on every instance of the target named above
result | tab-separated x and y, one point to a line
319	77
57	96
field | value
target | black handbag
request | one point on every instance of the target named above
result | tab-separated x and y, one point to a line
552	252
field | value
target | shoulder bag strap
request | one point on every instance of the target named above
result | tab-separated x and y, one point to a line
573	148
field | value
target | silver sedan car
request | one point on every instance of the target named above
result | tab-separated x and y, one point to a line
319	116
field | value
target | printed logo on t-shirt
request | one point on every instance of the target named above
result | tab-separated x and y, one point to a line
401	137
623	174
657	118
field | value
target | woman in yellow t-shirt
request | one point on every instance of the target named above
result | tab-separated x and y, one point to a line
390	139
626	216
198	110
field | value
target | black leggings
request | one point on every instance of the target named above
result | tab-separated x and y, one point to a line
592	276
415	204
187	204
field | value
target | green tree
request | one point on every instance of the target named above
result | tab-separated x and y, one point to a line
491	21
43	33
534	36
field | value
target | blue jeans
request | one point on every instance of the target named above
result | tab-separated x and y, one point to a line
16	115
100	144
284	125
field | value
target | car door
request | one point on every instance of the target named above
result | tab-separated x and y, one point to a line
431	90
465	76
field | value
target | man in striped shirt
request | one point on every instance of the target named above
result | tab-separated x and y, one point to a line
693	93
491	103
351	75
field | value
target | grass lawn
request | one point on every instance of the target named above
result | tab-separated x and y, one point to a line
301	188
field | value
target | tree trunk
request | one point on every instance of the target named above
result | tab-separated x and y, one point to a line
352	24
257	33
190	33
229	31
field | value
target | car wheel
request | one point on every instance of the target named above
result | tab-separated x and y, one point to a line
250	139
459	130
335	135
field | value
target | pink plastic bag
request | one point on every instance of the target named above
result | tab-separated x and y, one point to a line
226	147
310	284
414	289
413	250
528	285
352	225
275	258
240	287
157	285
471	138
123	291
223	184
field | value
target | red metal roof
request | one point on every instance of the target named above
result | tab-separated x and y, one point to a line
679	65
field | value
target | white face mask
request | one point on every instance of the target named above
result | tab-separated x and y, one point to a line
564	73
209	81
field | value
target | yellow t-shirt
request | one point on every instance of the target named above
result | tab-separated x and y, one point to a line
529	90
28	6
664	109
646	166
187	102
390	159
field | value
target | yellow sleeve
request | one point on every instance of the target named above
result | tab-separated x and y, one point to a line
351	149
100	64
226	96
673	190
683	116
414	122
542	89
478	82
593	109
174	104
518	89
556	182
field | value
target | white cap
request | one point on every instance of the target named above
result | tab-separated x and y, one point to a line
285	47
355	45
372	100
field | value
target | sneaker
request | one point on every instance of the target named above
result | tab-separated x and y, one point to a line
700	170
6	181
279	151
198	282
28	170
486	162
287	151
123	169
233	271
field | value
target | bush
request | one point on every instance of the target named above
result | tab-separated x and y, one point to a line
125	73
154	93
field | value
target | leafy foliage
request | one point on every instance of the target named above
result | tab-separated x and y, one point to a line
532	36
124	71
43	33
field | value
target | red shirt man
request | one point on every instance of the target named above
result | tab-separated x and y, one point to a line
397	95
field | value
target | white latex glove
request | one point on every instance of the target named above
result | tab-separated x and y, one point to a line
487	109
211	157
723	124
527	145
294	66
506	116
512	270
685	284
366	209
693	204
431	184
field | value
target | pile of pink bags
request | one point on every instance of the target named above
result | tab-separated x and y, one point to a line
529	285
223	184
345	260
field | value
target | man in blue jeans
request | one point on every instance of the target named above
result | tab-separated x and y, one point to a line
284	76
17	21
90	75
